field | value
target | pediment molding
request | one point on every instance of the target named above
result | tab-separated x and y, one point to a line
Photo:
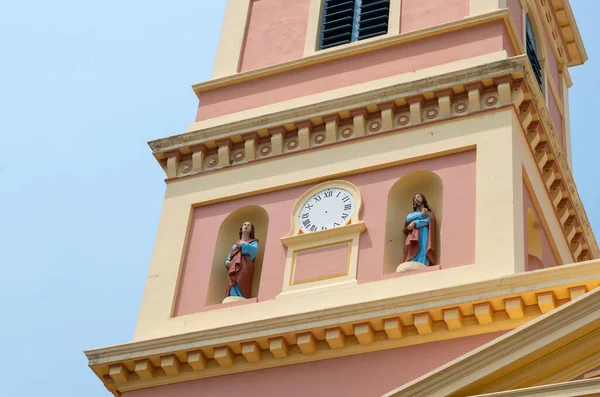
524	357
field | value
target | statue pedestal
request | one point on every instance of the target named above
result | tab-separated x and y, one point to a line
410	266
230	299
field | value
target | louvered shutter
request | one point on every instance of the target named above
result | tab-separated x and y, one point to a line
338	22
345	21
373	19
532	51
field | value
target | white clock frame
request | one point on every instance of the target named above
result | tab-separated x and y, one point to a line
299	241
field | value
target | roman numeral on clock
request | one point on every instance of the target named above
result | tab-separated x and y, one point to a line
345	216
306	223
345	199
328	193
313	228
348	207
305	216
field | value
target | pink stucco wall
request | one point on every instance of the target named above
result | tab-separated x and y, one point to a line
553	75
457	172
275	33
557	119
437	50
548	258
362	375
419	14
516	11
321	262
551	61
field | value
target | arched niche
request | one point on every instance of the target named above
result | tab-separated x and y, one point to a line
228	235
534	242
400	204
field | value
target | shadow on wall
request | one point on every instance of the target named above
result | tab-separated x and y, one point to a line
400	204
228	235
534	242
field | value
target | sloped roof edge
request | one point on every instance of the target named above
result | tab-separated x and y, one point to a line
540	335
575	388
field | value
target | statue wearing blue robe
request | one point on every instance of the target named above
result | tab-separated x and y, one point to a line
422	225
249	250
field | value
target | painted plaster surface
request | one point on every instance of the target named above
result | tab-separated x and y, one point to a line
548	258
556	117
516	12
362	375
551	61
418	14
321	262
276	32
457	244
362	68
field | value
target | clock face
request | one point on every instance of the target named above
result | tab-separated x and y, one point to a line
326	209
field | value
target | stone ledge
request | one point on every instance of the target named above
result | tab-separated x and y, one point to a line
371	331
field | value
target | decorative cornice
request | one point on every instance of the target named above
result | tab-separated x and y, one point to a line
507	88
569	31
353	49
481	307
335	106
574	324
554	169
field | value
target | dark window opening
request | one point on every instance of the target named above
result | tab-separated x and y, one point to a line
346	21
532	51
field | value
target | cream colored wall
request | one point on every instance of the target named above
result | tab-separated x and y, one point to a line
483	6
499	244
231	40
567	120
544	206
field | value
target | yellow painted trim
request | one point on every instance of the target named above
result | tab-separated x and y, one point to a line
490	132
557	279
587	387
395	17
352	49
560	159
313	28
231	41
316	237
337	100
477	7
546	213
556	95
567	120
538	343
554	44
583	57
464	297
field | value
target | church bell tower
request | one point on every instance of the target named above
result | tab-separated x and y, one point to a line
370	190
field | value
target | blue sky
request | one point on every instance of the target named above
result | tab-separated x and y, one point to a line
84	86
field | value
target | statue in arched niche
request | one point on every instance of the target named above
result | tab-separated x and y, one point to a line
240	264
419	230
